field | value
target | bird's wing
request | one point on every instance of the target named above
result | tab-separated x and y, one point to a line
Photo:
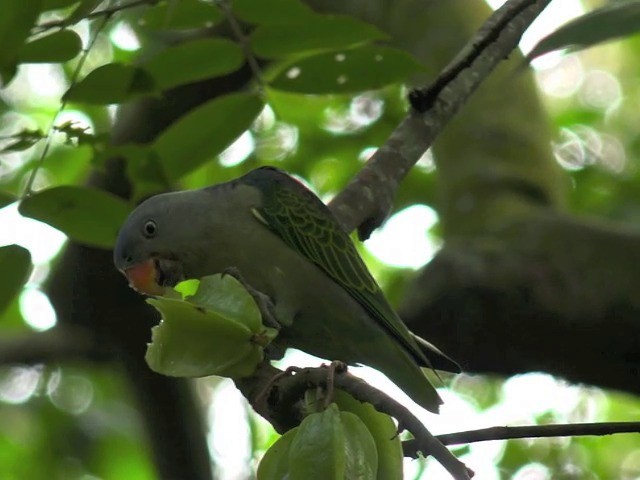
305	224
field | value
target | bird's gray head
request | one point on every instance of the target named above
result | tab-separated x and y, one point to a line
155	243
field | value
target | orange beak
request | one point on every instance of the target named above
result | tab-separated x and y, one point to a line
142	278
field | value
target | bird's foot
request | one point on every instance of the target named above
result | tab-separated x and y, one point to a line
264	394
263	301
335	368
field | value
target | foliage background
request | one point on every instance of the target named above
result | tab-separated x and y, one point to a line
71	402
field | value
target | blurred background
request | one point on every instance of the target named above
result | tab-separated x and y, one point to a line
78	416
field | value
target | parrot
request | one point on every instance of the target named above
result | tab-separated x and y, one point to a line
286	244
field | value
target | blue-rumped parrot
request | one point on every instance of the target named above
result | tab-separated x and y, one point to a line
286	244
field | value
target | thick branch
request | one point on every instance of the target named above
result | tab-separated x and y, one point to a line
55	345
367	199
549	293
87	291
275	395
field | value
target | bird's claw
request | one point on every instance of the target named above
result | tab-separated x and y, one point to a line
263	395
263	301
335	368
235	273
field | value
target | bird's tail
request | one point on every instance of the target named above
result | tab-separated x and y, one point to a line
438	360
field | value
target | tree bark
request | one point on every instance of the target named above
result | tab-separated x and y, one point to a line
87	291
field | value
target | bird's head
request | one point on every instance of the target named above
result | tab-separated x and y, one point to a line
154	247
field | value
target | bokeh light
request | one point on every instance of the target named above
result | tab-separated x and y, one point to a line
37	310
124	37
404	240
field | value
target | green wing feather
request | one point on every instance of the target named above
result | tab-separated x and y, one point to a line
306	225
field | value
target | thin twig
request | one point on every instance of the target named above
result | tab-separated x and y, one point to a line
539	431
367	199
108	12
28	189
529	431
422	99
243	41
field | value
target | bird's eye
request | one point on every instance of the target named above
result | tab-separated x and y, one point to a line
150	229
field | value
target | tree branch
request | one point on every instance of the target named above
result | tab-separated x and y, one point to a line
106	12
58	344
366	201
276	396
539	431
546	293
86	290
244	42
410	447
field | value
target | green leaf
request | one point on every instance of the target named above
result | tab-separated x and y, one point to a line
314	33
182	14
7	73
6	198
111	83
86	215
318	449
57	4
23	141
16	19
205	131
273	12
15	265
81	11
618	19
76	133
361	454
187	288
275	463
349	71
56	47
20	145
195	60
147	174
383	431
143	168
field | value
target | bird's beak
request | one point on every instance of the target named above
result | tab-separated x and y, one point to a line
142	278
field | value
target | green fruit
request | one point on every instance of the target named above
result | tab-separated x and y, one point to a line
360	449
226	296
217	330
330	445
193	342
382	429
318	450
275	463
